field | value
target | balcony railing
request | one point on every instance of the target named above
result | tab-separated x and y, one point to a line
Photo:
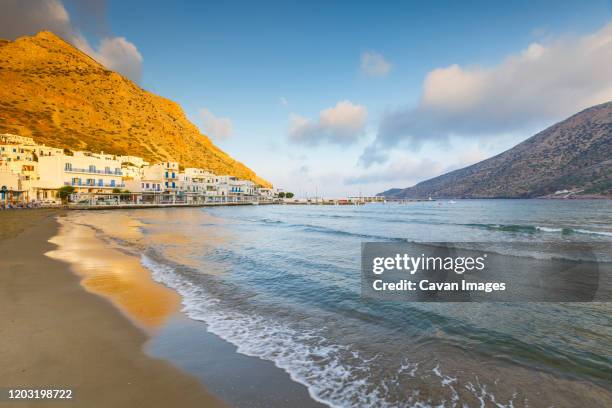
109	172
98	185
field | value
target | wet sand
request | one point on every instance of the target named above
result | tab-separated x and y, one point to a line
54	334
92	244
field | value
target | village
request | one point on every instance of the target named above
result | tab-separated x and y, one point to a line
33	174
36	175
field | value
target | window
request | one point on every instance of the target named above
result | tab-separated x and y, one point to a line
112	183
107	170
100	182
92	169
68	166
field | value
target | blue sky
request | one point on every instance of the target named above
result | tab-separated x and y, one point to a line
265	72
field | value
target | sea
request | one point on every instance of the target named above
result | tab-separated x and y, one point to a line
282	283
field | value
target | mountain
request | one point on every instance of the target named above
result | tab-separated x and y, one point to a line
61	97
575	154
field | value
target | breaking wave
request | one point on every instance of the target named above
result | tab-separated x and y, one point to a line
532	229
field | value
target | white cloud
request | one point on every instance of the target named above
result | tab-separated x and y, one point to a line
404	171
342	124
543	83
116	54
216	128
467	158
19	18
374	64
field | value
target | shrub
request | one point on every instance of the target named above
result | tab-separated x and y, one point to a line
64	193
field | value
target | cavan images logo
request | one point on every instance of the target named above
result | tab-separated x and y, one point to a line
485	272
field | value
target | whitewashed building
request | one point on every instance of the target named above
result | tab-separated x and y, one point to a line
265	192
200	181
150	180
37	172
170	175
86	173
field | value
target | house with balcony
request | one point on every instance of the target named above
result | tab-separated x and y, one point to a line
11	186
87	173
266	192
149	179
131	172
246	187
170	175
233	187
200	181
19	157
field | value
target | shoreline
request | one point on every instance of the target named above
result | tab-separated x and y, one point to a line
56	334
107	268
78	207
89	243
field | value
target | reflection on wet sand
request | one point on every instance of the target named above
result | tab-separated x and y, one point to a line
115	275
280	284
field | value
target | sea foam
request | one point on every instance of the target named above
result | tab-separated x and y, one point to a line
305	355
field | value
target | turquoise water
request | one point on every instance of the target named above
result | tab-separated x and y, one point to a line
283	283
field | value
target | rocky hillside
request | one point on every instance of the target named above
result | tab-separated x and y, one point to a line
61	97
575	154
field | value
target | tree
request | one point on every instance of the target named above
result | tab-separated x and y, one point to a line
289	194
124	194
281	195
116	190
64	193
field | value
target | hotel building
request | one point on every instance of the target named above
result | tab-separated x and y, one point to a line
86	172
195	180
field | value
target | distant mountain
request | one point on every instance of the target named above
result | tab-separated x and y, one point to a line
575	154
59	96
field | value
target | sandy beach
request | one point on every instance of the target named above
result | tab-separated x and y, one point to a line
183	307
55	334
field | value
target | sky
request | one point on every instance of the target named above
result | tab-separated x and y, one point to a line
339	98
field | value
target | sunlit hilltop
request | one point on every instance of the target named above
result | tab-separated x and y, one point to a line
59	96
